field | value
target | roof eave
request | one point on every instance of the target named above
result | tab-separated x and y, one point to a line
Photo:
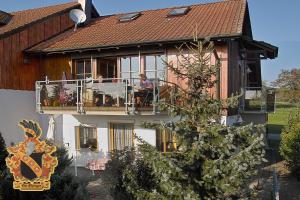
144	43
5	34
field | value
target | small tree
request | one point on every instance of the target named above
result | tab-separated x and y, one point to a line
212	161
290	144
3	154
288	84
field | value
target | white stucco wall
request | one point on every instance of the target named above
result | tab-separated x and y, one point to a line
15	106
65	132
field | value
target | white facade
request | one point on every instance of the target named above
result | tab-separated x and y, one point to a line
65	132
16	105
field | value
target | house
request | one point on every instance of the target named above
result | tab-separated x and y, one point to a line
88	79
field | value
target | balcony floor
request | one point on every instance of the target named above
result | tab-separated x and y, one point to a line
99	110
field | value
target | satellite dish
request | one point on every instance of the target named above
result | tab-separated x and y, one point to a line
77	16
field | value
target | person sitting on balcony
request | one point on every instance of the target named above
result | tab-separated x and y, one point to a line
146	92
145	83
108	101
100	79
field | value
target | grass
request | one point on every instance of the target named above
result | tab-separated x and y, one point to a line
278	119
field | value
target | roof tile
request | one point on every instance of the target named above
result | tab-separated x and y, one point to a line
25	17
217	19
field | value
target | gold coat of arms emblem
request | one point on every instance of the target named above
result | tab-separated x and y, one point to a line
31	161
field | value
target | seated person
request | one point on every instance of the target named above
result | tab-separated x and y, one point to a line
108	101
146	94
145	83
99	100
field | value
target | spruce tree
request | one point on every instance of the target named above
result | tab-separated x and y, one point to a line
212	161
3	154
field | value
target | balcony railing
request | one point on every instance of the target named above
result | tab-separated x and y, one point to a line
92	96
255	100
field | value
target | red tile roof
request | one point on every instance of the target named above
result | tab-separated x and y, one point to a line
26	17
219	19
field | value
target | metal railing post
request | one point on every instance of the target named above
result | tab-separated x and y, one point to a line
158	96
132	101
38	97
77	96
154	97
81	97
126	96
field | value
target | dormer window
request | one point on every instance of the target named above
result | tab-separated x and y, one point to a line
129	17
4	18
179	11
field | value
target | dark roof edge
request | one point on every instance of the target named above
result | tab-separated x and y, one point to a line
271	49
180	40
4	35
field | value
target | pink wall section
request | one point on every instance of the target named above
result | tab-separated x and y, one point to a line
172	58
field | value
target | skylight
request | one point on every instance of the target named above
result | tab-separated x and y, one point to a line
4	18
179	11
129	17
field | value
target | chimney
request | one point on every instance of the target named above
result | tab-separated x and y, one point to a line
87	8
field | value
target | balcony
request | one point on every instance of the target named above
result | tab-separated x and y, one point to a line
100	97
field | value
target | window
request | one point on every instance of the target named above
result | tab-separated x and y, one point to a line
165	141
4	18
179	11
129	17
82	69
121	136
107	68
155	67
130	67
86	138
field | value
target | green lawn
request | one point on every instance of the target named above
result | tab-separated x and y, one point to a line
280	118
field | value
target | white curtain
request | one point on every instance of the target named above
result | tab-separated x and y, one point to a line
122	136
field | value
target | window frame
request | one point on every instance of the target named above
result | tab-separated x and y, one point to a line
78	141
111	134
129	17
155	70
179	11
130	72
84	74
164	137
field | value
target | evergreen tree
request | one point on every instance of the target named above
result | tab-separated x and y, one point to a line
212	161
3	154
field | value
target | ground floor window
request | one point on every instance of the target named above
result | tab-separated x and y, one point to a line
86	138
121	136
165	141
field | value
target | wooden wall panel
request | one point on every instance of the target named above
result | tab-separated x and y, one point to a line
15	54
53	67
6	61
65	21
17	75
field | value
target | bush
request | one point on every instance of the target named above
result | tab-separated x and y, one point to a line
290	144
116	175
3	154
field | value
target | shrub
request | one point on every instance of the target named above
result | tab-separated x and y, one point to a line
116	175
290	144
3	154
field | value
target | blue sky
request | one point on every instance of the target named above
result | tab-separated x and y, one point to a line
273	21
